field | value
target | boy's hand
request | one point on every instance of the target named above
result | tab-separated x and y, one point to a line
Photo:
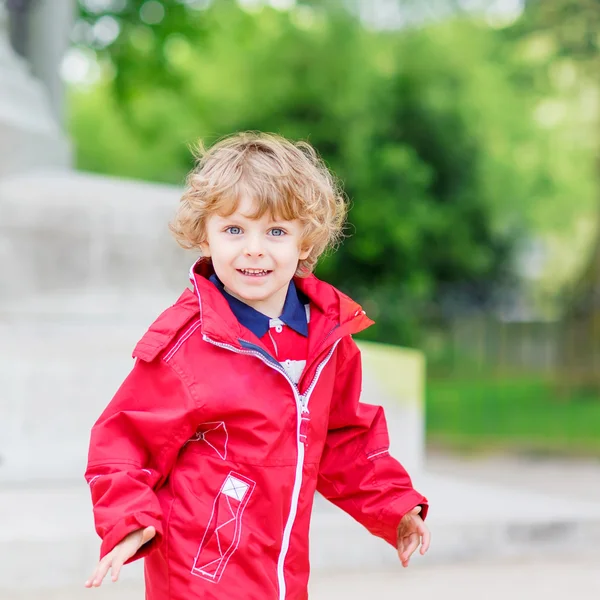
122	552
412	531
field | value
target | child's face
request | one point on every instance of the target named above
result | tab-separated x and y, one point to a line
254	258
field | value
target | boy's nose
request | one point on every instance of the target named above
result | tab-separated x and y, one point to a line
254	248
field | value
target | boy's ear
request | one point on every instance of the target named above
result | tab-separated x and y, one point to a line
205	249
304	253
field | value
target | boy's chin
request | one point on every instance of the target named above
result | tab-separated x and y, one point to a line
257	296
249	292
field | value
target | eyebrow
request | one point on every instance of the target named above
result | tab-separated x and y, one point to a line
236	215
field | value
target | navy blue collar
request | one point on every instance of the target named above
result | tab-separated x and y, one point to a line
293	315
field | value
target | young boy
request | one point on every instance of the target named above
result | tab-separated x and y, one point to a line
244	397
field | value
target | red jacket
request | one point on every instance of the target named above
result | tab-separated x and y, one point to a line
209	441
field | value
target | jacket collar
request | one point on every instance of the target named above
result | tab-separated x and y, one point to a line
219	323
293	315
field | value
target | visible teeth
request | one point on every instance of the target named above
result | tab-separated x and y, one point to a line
254	271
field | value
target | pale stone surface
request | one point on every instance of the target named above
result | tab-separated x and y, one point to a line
30	136
88	263
48	46
558	477
575	576
76	243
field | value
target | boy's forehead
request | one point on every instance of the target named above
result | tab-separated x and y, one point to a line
248	208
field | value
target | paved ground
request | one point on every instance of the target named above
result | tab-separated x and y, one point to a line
573	577
555	577
561	478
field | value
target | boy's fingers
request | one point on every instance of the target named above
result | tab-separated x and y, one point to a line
101	570
129	549
148	534
426	539
415	540
117	563
126	551
115	560
409	547
104	570
91	578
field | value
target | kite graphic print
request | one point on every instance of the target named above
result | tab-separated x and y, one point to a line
224	529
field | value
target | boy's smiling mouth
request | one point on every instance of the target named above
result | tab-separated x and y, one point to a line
254	272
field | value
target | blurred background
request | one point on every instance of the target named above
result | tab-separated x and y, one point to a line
466	135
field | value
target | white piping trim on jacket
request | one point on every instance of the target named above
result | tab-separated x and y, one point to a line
379	453
183	338
193	280
194	325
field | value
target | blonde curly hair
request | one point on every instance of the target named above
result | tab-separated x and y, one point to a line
286	179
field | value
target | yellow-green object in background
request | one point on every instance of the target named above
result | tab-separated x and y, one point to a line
394	378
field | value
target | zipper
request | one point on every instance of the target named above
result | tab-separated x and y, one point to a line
302	408
287	532
320	368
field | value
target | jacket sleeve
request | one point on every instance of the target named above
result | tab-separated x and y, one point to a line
133	447
356	471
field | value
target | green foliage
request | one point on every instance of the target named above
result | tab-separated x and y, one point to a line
510	414
425	128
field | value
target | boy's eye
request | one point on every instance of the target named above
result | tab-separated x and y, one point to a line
277	232
234	230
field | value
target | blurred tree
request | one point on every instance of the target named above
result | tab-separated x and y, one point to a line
423	127
572	28
133	37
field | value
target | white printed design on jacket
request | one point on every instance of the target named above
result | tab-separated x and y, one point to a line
214	434
224	529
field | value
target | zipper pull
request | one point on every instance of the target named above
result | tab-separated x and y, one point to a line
304	429
303	404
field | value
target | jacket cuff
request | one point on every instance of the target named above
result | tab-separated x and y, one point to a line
392	515
128	525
